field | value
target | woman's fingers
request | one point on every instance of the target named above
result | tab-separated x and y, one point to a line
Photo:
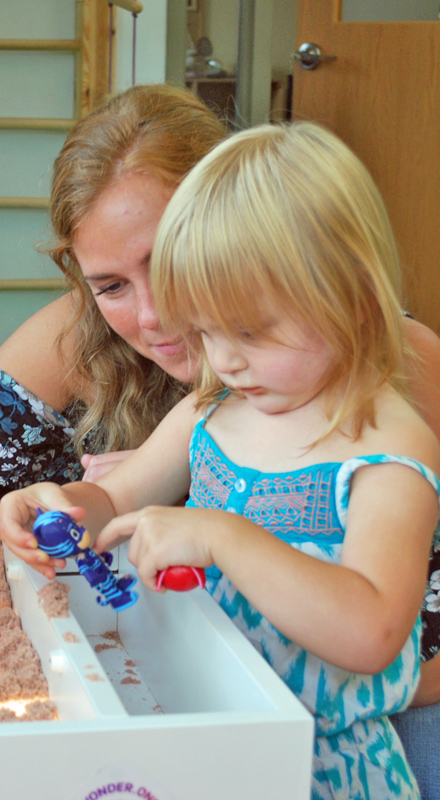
98	466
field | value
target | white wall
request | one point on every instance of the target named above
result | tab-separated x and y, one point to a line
41	84
221	24
151	31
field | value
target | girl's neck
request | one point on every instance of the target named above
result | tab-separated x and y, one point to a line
286	442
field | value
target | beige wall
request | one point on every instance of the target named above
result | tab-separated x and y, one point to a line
221	26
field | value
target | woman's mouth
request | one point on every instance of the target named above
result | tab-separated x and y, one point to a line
170	348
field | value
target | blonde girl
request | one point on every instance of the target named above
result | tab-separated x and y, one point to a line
313	489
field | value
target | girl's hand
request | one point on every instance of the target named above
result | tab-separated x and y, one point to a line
97	466
18	511
161	537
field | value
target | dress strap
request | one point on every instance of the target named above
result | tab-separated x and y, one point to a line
211	408
348	468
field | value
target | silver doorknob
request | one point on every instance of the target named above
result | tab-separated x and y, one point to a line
309	56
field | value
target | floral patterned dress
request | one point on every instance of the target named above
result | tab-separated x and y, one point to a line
36	442
357	751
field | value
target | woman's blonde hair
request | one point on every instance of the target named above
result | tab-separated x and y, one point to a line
290	214
158	131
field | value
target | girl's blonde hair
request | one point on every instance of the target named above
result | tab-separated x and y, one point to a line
290	214
158	131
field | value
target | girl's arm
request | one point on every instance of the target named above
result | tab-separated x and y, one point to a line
356	615
156	472
18	511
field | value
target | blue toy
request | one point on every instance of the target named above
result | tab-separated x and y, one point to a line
60	536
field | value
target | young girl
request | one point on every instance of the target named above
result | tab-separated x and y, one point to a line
313	494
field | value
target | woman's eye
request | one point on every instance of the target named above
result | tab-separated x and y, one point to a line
112	288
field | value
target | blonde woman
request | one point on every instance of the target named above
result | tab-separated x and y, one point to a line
313	481
94	371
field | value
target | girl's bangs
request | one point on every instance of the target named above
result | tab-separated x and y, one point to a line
227	295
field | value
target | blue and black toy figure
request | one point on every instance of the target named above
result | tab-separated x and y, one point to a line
60	536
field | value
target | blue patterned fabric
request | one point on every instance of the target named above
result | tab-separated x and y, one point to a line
36	442
357	753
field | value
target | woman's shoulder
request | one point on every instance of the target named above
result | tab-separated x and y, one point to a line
424	371
32	355
422	339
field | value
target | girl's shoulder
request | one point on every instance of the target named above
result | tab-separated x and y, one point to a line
402	431
33	357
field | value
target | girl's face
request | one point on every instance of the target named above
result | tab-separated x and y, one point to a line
278	371
113	248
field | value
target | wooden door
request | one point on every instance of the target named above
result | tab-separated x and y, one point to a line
382	97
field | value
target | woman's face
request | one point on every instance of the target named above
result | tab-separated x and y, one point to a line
113	248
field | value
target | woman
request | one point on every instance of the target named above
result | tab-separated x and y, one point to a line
94	371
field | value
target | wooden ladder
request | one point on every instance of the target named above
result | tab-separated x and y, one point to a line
90	46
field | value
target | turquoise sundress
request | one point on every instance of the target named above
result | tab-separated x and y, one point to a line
358	754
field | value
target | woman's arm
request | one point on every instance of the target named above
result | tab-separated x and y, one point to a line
96	466
425	374
428	691
425	387
32	357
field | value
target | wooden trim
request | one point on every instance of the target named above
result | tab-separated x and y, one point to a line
78	85
129	5
28	123
40	44
93	28
24	202
37	284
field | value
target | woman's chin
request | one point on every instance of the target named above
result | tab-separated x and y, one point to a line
183	366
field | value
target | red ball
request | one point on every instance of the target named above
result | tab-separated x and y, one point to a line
181	579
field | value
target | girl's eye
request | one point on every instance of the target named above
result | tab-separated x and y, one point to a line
246	334
112	288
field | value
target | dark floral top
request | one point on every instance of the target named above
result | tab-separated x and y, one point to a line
431	608
36	442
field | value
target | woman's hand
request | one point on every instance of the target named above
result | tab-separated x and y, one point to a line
162	537
18	511
97	466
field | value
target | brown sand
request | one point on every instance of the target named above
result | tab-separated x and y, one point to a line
21	675
54	600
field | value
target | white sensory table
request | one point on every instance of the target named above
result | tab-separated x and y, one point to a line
165	700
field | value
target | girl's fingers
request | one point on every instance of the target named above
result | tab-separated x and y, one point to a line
38	560
118	528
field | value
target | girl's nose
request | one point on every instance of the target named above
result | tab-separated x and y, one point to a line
226	358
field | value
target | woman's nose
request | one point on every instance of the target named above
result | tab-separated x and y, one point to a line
146	310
